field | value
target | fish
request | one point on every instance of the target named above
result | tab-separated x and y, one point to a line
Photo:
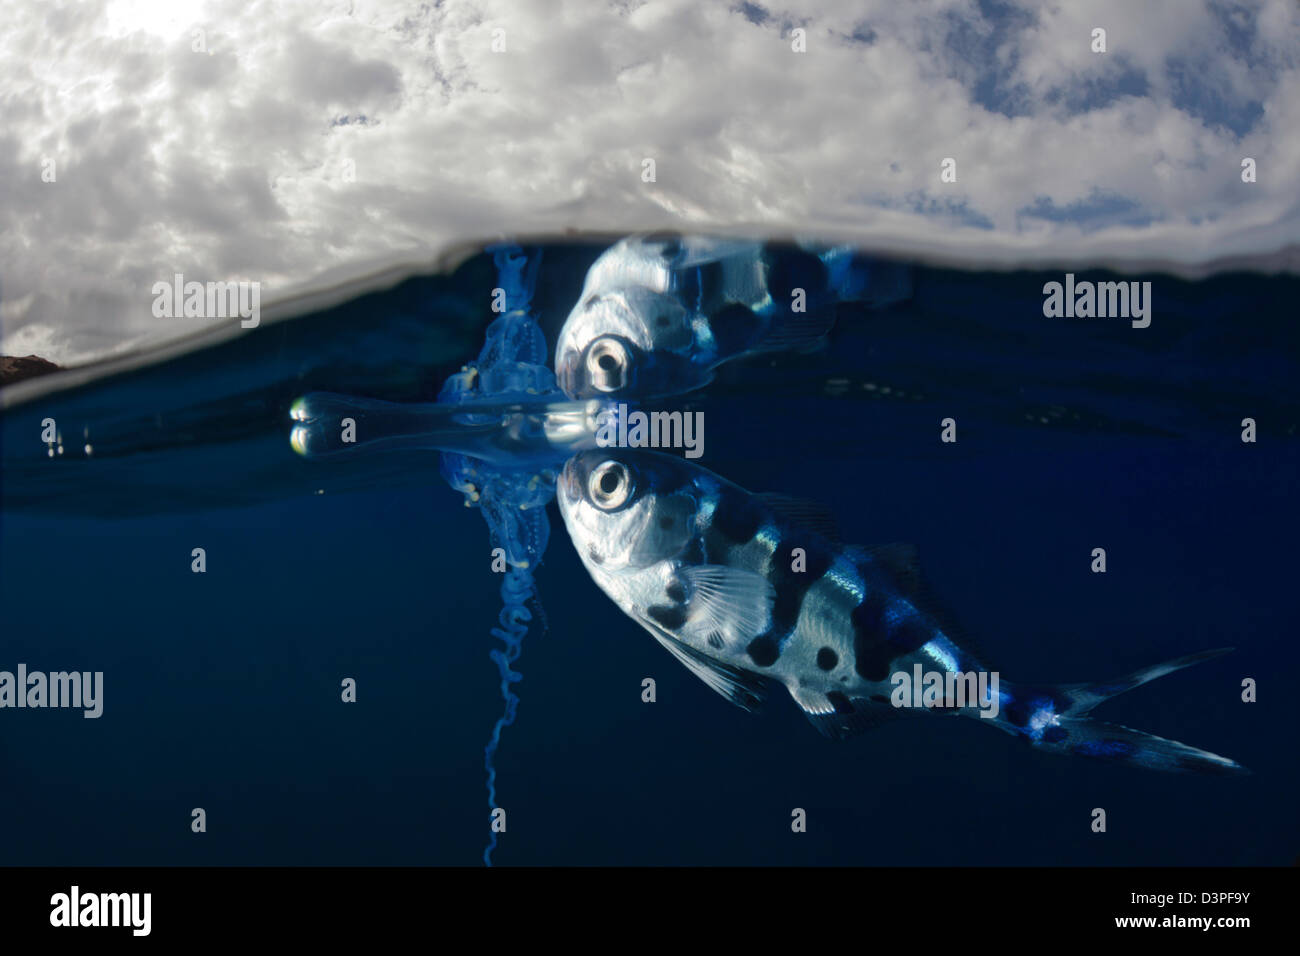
752	591
659	313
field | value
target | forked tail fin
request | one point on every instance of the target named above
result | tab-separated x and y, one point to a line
1056	719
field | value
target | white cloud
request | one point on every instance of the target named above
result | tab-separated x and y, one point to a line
231	162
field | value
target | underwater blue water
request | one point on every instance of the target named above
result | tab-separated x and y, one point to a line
222	689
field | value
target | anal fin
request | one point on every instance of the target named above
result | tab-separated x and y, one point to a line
838	716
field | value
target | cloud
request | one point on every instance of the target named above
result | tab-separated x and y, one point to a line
292	136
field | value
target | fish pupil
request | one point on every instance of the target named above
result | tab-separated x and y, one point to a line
609	482
607	362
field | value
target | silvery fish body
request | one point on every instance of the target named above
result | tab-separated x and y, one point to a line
658	314
745	592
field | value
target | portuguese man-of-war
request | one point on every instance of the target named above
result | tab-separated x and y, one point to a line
512	497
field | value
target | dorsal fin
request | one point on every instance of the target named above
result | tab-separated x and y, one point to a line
803	512
747	691
796	331
899	561
903	564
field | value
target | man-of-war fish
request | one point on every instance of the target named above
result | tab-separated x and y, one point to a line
658	314
747	592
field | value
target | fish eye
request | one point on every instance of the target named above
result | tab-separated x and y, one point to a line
609	486
607	364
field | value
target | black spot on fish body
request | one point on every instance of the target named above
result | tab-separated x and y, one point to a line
840	702
874	664
669	617
715	548
791	586
710	286
763	651
868	618
909	634
671	243
1017	713
737	518
827	659
792	269
676	592
871	655
735	328
694	552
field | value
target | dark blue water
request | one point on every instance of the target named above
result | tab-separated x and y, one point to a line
222	689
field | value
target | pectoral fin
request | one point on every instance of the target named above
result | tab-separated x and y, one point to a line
726	605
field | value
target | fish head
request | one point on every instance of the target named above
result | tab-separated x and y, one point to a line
631	342
628	510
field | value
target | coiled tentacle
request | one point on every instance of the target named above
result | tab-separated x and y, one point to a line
514	617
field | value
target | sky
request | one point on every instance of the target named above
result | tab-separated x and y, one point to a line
275	140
